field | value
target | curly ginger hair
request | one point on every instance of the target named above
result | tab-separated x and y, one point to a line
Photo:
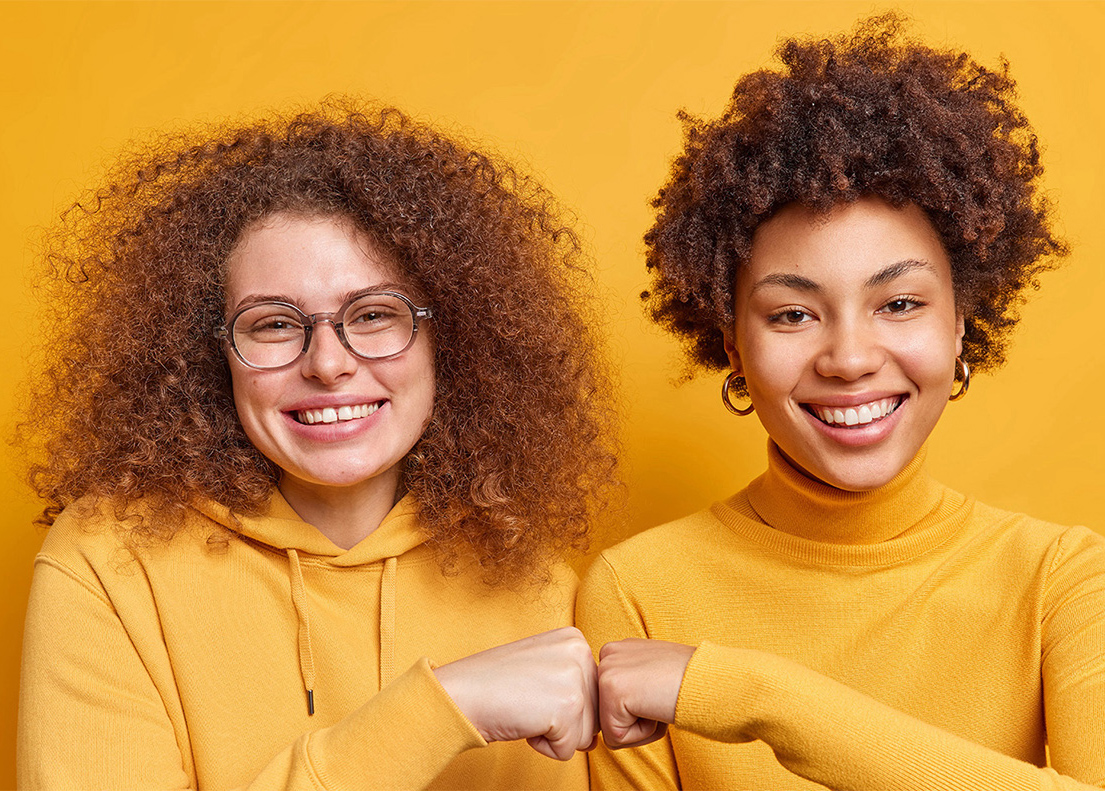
870	114
135	401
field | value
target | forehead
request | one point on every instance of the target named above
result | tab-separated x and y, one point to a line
848	244
305	257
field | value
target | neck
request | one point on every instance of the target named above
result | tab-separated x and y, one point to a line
344	514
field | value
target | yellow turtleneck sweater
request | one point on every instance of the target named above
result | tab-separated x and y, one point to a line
187	663
945	658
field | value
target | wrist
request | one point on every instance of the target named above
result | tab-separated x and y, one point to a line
456	687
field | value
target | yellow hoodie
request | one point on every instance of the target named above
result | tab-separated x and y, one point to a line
193	663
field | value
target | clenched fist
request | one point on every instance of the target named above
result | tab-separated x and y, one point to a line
639	684
541	689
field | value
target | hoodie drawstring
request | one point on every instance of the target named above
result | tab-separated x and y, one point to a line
387	621
306	655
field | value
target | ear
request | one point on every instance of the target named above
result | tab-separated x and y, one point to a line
960	329
732	353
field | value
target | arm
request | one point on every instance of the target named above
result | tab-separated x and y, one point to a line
1073	649
91	715
818	728
605	615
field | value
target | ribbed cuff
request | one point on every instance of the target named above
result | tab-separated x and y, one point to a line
717	684
402	738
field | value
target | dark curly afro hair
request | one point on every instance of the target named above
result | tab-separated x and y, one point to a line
135	398
870	114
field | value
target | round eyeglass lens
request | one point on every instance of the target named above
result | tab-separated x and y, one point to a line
268	335
378	325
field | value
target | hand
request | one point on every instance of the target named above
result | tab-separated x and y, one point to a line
541	689
639	684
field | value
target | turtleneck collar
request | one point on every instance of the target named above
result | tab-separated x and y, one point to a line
795	514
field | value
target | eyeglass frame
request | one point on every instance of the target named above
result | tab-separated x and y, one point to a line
223	333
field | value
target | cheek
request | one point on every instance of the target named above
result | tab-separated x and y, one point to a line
409	378
774	363
251	398
929	360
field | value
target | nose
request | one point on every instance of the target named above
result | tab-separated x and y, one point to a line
327	359
851	350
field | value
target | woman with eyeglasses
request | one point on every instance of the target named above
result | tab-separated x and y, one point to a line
851	239
311	450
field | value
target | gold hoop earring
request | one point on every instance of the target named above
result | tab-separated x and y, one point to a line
963	376
728	383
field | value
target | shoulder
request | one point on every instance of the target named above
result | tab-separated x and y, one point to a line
659	552
679	536
1035	537
1064	563
94	537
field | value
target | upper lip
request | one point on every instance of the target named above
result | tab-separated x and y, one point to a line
843	401
332	400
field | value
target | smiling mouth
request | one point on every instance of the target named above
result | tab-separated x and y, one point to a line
855	416
339	414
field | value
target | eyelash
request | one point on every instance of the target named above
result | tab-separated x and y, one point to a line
779	316
913	302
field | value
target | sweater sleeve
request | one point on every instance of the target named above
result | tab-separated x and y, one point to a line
604	614
829	733
1073	656
91	716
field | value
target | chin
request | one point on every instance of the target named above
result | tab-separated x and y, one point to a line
853	475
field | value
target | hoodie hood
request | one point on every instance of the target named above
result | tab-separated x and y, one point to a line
282	529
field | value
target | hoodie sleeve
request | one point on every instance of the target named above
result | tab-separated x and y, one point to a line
91	714
377	741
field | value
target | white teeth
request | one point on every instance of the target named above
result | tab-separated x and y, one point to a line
335	415
856	416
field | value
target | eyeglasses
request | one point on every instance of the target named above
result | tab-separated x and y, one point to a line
372	325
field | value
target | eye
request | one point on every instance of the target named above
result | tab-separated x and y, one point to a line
376	316
264	325
901	305
790	317
274	325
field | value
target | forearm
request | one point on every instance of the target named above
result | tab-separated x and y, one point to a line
830	734
94	715
401	739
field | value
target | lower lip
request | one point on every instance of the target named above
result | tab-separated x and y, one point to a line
858	436
338	430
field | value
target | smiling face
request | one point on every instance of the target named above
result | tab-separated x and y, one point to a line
846	333
330	419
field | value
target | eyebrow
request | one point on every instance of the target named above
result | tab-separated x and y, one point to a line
894	271
253	299
788	281
800	283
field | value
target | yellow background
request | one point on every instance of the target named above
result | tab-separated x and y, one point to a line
584	94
